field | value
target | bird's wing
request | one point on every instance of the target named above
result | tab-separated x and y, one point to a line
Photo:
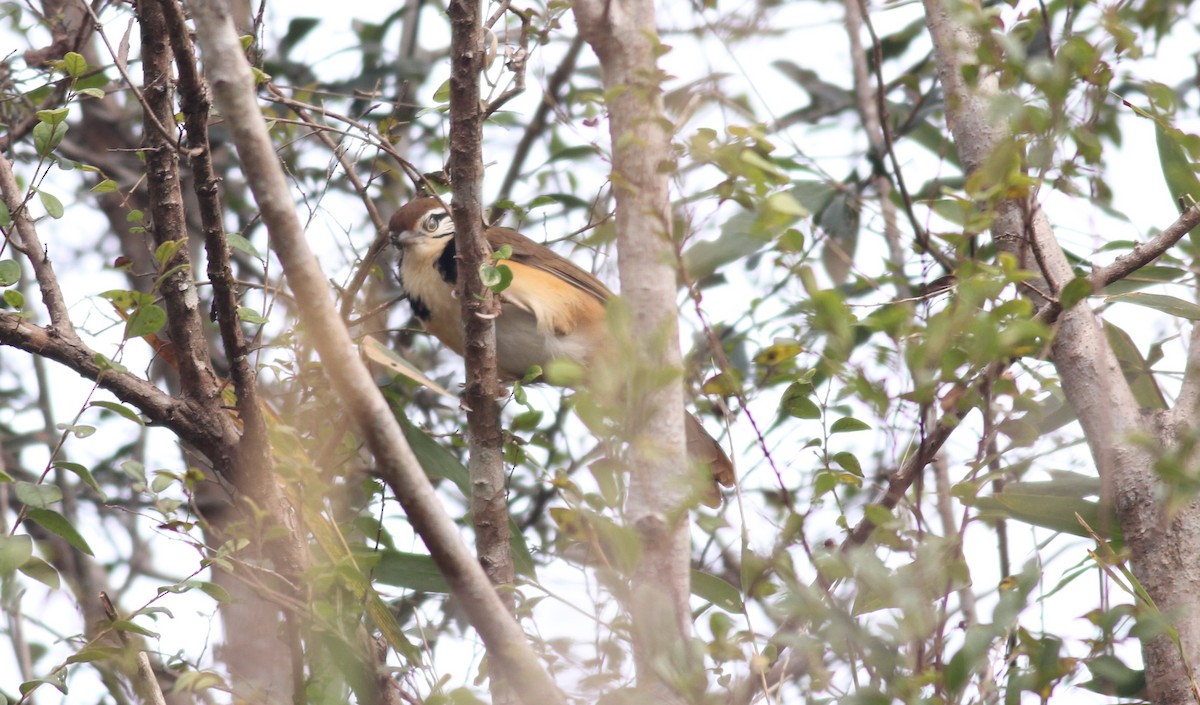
558	293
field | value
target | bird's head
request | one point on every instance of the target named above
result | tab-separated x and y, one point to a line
421	225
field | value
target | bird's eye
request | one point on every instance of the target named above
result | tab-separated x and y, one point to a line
433	221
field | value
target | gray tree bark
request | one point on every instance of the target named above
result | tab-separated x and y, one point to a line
623	34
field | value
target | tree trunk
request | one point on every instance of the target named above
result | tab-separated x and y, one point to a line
623	34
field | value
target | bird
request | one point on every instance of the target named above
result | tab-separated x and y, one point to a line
551	310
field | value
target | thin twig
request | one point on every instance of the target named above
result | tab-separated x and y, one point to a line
151	118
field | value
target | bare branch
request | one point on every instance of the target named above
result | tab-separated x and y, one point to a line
182	416
381	237
39	257
1146	252
153	120
873	119
537	125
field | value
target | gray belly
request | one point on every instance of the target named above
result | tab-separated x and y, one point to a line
520	345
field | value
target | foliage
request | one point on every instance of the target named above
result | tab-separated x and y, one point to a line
814	253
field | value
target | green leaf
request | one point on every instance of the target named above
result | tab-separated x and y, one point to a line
57	679
849	463
5	216
1075	291
437	462
249	315
47	136
53	206
10	272
95	652
166	251
442	94
162	480
15	299
125	625
120	410
93	92
848	424
197	682
14	552
522	558
213	590
797	403
146	320
1144	277
414	571
74	65
1160	302
53	521
42	572
1050	511
1177	169
79	430
134	470
182	266
298	28
1138	372
126	299
83	474
496	277
840	221
106	363
106	186
237	242
94	80
383	355
53	117
575	153
35	495
717	591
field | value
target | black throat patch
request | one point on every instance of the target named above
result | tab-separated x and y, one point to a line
419	309
446	265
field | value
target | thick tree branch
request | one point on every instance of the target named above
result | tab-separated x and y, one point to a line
232	84
168	223
182	416
480	306
194	103
624	35
255	631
